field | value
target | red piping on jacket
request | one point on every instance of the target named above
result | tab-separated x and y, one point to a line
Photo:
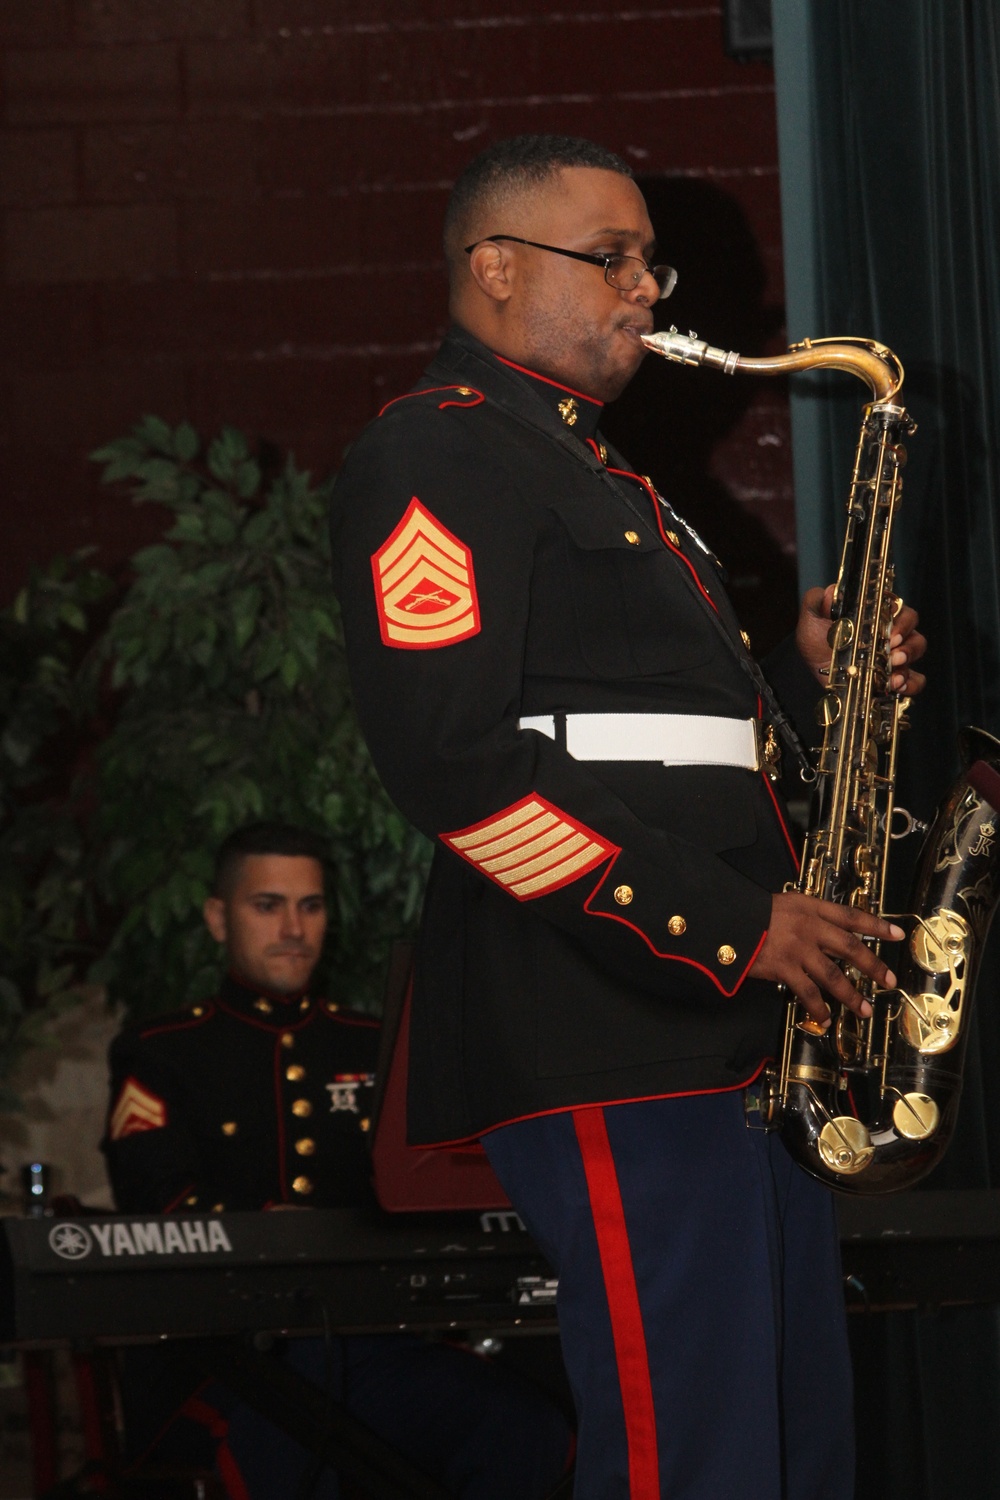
565	1109
435	390
784	826
677	957
279	1116
168	1208
625	474
180	1025
623	1302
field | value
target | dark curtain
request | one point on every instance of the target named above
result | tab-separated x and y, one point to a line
889	126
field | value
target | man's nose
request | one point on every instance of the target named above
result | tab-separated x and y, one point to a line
291	925
646	291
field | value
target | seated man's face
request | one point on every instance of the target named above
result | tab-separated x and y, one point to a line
272	920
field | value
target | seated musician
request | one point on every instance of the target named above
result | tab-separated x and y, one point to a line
259	1099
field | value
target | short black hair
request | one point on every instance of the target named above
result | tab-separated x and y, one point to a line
520	162
263	838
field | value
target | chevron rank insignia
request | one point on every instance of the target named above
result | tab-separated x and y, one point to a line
137	1109
424	585
531	848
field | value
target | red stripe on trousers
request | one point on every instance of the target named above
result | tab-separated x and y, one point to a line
623	1302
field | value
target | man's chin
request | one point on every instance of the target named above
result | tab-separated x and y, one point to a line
285	977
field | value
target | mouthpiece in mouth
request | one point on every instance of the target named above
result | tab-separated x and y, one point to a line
689	349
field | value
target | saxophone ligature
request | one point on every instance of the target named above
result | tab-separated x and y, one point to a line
869	1105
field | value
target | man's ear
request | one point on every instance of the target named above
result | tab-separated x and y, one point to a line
492	270
214	912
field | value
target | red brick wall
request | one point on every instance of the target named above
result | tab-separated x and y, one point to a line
189	189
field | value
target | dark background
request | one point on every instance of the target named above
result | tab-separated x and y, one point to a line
229	210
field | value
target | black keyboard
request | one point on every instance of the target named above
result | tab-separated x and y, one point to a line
117	1278
124	1277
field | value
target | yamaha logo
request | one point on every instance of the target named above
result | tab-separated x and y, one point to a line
153	1237
70	1241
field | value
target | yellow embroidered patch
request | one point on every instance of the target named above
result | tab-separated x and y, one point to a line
425	589
136	1109
531	848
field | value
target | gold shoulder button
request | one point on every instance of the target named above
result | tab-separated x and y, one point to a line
623	894
190	1202
229	1127
726	955
332	1007
673	539
197	1010
364	1124
287	1039
632	537
302	1108
294	1072
677	927
302	1185
218	1208
306	1146
264	1006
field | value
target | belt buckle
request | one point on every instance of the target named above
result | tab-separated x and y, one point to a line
768	749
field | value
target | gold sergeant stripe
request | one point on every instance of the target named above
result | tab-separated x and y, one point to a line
530	848
425	590
546	841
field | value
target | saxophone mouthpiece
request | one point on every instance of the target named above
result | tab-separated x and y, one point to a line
689	349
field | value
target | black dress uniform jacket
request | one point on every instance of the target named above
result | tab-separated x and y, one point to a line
242	1102
495	561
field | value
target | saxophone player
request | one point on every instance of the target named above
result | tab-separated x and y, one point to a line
554	688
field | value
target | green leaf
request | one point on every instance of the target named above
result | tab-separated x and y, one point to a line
247	480
291	669
71	614
157	433
186	443
187	528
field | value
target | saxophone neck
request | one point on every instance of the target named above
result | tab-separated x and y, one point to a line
870	361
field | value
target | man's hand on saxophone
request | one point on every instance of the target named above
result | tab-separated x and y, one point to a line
907	643
806	937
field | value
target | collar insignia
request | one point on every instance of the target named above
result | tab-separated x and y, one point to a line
569	411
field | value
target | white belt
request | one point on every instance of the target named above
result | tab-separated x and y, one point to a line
672	739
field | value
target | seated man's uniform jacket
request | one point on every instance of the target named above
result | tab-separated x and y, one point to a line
242	1102
588	926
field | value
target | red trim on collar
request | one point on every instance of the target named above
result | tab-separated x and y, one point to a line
282	997
557	383
435	390
272	1023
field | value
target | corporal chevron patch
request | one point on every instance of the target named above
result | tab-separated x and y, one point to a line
136	1109
425	588
531	848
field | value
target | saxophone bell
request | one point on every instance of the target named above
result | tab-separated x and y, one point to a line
869	1104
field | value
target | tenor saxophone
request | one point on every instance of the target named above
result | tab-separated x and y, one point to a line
869	1105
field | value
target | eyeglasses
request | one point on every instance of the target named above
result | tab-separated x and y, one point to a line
623	272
